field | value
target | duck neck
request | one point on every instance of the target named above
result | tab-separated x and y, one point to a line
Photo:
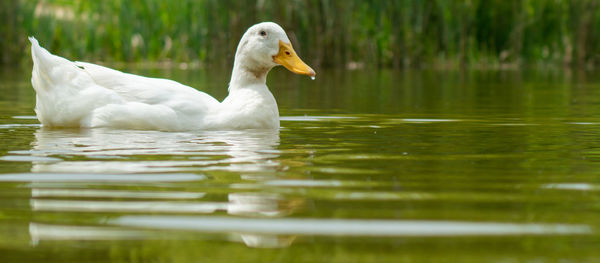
244	75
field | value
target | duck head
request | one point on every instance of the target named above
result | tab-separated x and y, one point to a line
265	46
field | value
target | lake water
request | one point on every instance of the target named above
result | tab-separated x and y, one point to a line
385	166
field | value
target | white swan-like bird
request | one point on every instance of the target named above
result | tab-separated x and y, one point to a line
85	95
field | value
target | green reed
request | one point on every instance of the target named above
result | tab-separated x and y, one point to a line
329	33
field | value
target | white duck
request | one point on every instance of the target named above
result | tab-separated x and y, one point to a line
79	94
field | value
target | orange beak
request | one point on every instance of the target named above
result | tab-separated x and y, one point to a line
288	58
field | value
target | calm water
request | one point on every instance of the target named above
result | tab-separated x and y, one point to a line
388	166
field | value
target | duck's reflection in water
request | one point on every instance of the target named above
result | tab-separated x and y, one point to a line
264	205
133	154
126	151
255	204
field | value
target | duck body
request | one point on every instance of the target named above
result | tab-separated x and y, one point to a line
86	95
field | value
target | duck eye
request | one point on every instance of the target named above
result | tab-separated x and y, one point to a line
263	33
287	53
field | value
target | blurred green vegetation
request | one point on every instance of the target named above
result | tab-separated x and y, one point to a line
327	33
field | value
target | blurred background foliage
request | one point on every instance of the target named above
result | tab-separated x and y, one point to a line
326	33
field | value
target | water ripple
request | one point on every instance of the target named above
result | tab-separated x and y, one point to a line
51	177
348	227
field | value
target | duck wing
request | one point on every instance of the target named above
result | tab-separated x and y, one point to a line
80	94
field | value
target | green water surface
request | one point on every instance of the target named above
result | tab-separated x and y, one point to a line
383	166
